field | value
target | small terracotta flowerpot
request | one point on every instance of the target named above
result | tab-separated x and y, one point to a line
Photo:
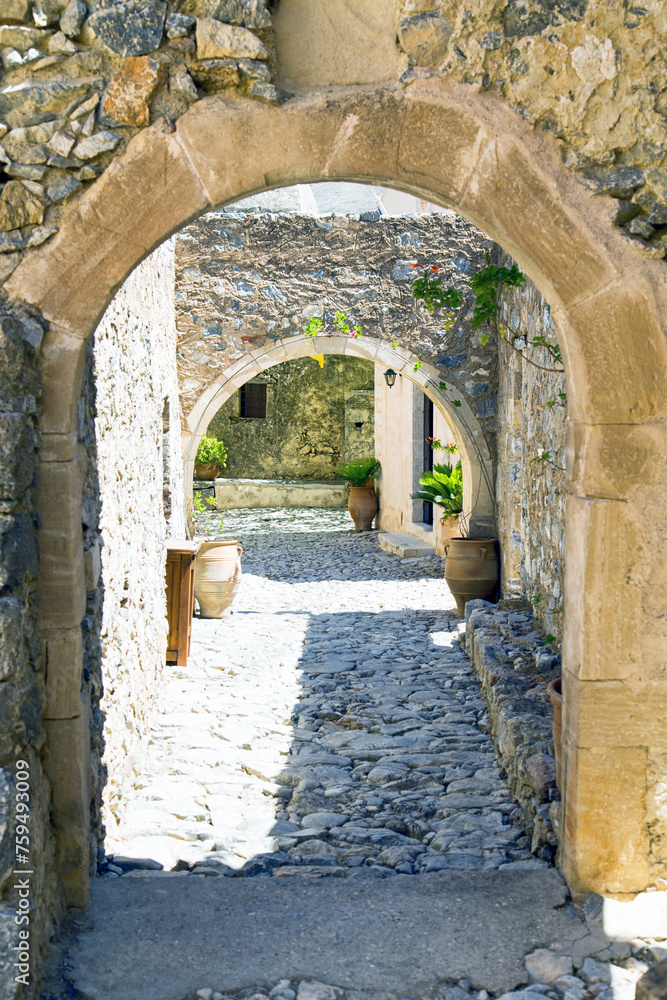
207	471
556	695
363	506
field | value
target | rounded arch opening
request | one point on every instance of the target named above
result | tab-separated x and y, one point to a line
462	150
478	498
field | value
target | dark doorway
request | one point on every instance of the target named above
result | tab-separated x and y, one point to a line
428	451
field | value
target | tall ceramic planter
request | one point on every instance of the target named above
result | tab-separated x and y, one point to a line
471	568
217	577
556	696
363	506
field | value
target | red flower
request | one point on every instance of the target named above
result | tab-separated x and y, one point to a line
435	267
416	265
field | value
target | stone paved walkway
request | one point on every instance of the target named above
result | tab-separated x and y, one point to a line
330	726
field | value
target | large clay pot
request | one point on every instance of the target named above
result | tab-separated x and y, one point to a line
207	471
217	577
471	568
363	506
556	695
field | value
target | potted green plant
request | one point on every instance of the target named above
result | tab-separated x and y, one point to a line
362	501
217	567
471	564
443	486
210	458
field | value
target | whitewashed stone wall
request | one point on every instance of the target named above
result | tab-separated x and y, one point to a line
531	494
135	360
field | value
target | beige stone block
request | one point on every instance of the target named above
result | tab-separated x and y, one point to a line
300	347
59	502
613	461
350	136
64	664
92	563
62	591
609	713
267	359
606	845
330	345
364	349
325	42
137	202
656	807
240	377
618	356
58	447
387	358
216	40
605	580
62	596
67	768
551	243
62	358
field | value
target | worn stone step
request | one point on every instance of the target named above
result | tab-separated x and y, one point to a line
157	938
404	545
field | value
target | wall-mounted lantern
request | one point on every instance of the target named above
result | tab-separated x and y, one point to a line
390	377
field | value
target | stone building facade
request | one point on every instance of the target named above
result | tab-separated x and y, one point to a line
246	279
532	444
542	122
311	420
137	430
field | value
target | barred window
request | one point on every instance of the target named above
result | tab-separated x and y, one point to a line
253	400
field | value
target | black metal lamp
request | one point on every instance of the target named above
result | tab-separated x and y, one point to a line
390	377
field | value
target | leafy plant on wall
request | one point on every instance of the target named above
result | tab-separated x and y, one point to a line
487	285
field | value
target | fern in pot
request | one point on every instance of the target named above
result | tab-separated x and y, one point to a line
443	486
362	500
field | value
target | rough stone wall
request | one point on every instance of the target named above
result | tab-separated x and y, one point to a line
514	670
590	72
305	434
83	79
244	280
22	655
135	374
531	494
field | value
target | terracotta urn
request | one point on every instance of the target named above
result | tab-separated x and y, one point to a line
217	577
471	569
207	471
362	504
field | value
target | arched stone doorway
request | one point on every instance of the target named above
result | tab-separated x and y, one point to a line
470	441
466	151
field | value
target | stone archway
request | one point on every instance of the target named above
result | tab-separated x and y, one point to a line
466	151
468	435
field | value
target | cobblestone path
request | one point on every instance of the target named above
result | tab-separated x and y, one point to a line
330	726
330	738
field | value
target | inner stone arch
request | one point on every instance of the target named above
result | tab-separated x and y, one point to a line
471	443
